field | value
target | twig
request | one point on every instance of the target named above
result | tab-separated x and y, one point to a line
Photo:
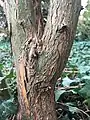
4	88
84	113
71	87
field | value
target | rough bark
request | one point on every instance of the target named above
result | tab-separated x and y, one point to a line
40	53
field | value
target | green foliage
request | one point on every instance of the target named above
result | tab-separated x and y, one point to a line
87	11
83	29
74	85
5	55
3	22
85	91
80	57
58	93
7	109
7	72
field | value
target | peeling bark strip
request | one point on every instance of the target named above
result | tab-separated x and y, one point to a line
46	51
22	92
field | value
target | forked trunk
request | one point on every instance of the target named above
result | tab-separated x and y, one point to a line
40	53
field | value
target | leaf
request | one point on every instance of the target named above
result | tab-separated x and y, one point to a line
87	101
73	109
67	81
58	93
1	78
85	91
7	108
1	66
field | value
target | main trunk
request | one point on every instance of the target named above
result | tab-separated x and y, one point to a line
40	53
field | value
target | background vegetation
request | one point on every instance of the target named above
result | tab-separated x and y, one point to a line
72	91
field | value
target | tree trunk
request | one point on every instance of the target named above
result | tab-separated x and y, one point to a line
40	53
